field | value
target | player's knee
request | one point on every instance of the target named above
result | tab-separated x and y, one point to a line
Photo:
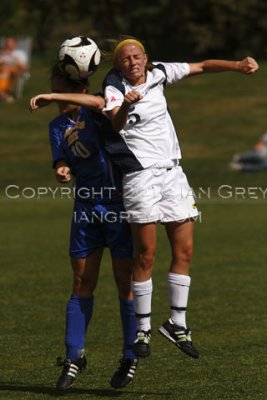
123	282
82	287
124	290
146	259
184	255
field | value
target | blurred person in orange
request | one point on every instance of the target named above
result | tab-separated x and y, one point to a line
13	62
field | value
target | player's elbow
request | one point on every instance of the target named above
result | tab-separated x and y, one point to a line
99	103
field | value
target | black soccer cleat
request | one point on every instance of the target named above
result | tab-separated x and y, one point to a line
124	374
141	344
180	336
69	372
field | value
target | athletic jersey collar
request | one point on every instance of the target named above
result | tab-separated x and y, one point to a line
80	115
139	87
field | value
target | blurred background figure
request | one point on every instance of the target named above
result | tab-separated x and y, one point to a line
252	160
14	62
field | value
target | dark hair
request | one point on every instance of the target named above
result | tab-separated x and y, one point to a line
58	73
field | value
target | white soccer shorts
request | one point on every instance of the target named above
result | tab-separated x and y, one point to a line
158	195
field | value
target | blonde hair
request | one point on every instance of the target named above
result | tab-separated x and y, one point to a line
123	42
112	46
117	44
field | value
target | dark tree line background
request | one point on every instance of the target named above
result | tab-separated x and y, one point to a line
171	29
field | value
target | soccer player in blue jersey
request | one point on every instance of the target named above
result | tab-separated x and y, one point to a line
98	221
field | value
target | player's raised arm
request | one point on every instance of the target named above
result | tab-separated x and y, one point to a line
246	66
80	99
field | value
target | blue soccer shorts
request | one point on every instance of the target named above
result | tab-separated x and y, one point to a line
97	226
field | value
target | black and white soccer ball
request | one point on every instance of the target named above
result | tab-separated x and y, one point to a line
79	57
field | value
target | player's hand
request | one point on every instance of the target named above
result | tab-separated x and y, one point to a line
132	97
41	100
248	65
63	174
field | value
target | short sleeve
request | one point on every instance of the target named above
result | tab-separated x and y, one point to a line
113	97
176	71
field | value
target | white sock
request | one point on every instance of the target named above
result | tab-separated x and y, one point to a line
142	295
178	288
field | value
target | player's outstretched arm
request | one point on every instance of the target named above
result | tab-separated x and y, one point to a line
246	66
80	99
41	100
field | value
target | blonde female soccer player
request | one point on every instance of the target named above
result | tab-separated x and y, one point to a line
155	187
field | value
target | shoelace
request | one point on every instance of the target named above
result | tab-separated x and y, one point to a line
143	336
183	334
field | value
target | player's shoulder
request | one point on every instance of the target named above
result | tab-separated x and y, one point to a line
173	71
58	121
157	66
93	115
100	122
157	73
114	78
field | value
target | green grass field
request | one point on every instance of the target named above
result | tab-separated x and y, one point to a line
216	115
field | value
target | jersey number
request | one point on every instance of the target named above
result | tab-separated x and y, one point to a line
133	118
79	150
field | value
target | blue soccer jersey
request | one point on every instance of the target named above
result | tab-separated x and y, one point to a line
99	219
79	144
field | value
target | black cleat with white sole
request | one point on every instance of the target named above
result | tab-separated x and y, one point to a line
141	344
69	372
180	336
124	374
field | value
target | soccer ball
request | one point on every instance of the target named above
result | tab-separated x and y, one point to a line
79	57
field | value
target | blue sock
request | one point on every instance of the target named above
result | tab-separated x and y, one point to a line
128	320
78	314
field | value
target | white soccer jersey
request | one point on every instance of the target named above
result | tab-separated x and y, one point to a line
149	134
